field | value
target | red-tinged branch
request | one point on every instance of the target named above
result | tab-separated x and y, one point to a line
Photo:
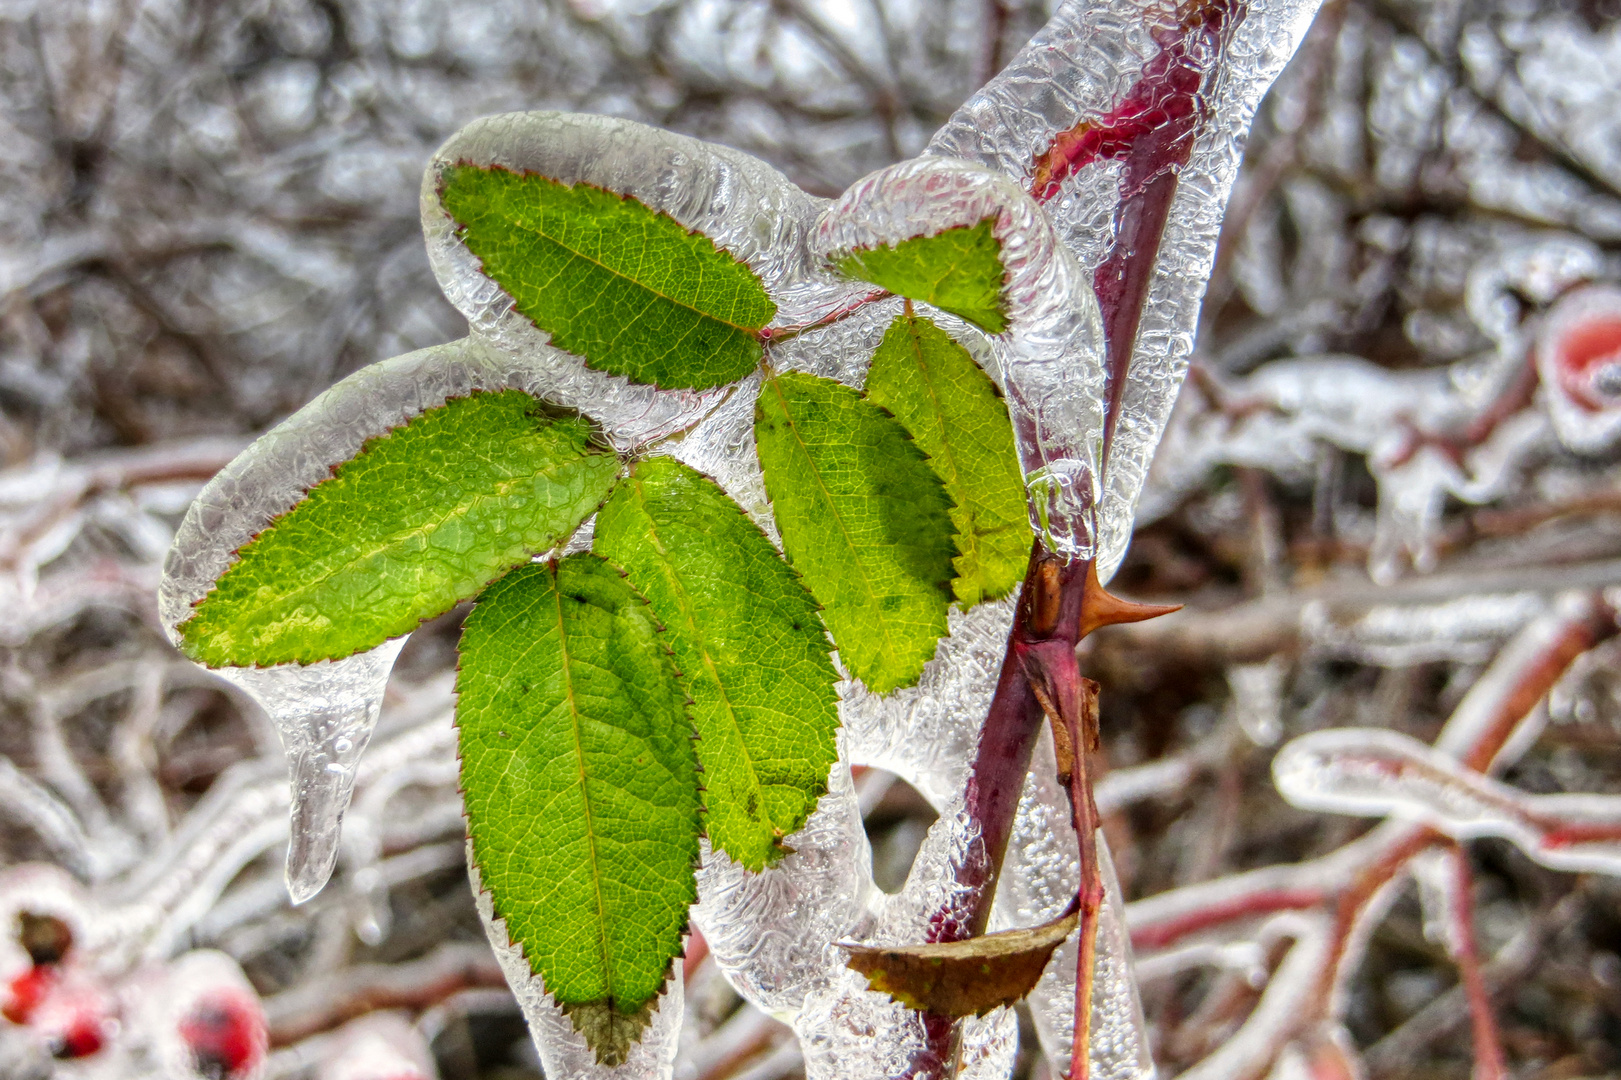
1489	1064
1151	132
772	335
1237	909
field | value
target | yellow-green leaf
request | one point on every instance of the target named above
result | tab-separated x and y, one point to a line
864	520
747	637
420	520
958	270
623	286
955	414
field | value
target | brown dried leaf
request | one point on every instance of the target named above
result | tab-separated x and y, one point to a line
964	978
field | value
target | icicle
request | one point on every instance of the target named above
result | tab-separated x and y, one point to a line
324	714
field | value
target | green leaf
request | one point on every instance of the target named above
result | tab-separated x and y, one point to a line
959	270
421	519
953	411
625	287
580	783
747	637
864	520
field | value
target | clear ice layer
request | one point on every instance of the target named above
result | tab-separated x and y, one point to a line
563	1052
1051	356
1079	66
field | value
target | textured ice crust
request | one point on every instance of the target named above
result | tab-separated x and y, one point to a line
1080	65
1051	356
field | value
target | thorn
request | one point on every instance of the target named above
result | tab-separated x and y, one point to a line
1102	608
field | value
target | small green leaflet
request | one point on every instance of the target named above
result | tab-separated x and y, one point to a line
580	783
610	279
953	411
864	520
421	519
746	636
959	270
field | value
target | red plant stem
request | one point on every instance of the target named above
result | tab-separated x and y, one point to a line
1247	906
772	335
1489	1064
1152	131
1049	616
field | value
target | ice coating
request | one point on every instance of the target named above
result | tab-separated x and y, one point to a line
1377	772
1051	356
563	1051
1079	66
1401	421
1578	353
1039	876
746	207
1468	629
323	712
773	933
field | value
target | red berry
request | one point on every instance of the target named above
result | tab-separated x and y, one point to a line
226	1034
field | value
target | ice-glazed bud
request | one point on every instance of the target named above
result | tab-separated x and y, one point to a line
1050	345
382	1046
199	1017
1579	360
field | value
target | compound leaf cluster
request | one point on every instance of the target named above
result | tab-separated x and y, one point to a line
678	679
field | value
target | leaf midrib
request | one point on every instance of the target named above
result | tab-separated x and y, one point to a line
698	636
833	512
749	331
502	489
585	795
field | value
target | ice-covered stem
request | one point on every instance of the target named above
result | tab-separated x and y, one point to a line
1150	132
1346	883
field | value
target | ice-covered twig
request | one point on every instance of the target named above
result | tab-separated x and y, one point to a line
325	1002
1349	884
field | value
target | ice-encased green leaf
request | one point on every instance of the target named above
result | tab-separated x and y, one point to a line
864	520
748	639
954	413
420	520
610	279
958	270
580	784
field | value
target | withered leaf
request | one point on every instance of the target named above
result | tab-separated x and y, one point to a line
964	978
